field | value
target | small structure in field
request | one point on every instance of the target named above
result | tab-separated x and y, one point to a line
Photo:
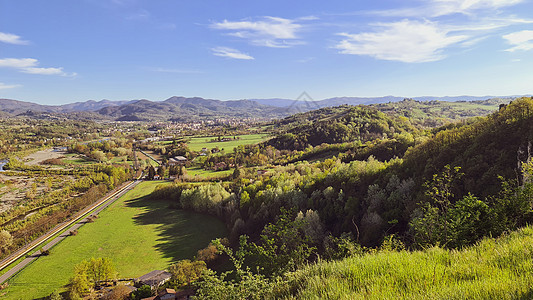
154	279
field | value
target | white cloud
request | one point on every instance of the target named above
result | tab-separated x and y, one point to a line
230	52
29	65
437	8
269	32
405	41
18	62
43	71
521	40
4	86
12	39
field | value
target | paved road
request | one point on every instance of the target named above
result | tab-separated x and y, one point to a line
96	210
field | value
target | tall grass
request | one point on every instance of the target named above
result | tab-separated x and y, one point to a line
492	269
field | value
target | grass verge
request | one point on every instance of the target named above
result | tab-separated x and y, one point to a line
493	269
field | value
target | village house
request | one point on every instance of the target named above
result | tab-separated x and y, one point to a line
178	160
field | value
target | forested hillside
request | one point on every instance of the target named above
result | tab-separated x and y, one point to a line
449	186
335	125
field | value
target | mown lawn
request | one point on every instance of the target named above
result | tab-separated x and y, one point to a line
197	143
137	234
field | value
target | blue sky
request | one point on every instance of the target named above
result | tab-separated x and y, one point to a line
62	51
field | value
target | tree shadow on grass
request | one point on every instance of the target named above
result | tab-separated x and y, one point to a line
181	233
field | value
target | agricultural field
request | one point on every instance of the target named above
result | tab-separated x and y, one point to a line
138	235
150	162
197	143
196	171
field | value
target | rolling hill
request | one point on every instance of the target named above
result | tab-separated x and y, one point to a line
196	108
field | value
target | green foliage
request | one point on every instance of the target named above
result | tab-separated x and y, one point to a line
246	285
89	274
6	240
55	296
283	245
442	222
341	247
204	198
151	173
144	291
186	272
337	125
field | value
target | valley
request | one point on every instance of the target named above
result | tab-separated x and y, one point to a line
344	184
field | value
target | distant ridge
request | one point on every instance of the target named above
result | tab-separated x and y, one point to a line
336	101
178	108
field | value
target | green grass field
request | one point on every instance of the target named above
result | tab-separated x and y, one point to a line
74	159
493	269
197	143
138	235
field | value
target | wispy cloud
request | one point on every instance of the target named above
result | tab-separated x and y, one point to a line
444	7
268	32
305	60
438	8
405	41
520	40
230	52
10	38
4	86
30	66
139	15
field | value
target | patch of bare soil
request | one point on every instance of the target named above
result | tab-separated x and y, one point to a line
39	156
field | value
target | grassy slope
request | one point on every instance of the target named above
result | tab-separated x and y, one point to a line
197	143
492	269
138	235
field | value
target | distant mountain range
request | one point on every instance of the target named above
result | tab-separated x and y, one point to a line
191	109
371	100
